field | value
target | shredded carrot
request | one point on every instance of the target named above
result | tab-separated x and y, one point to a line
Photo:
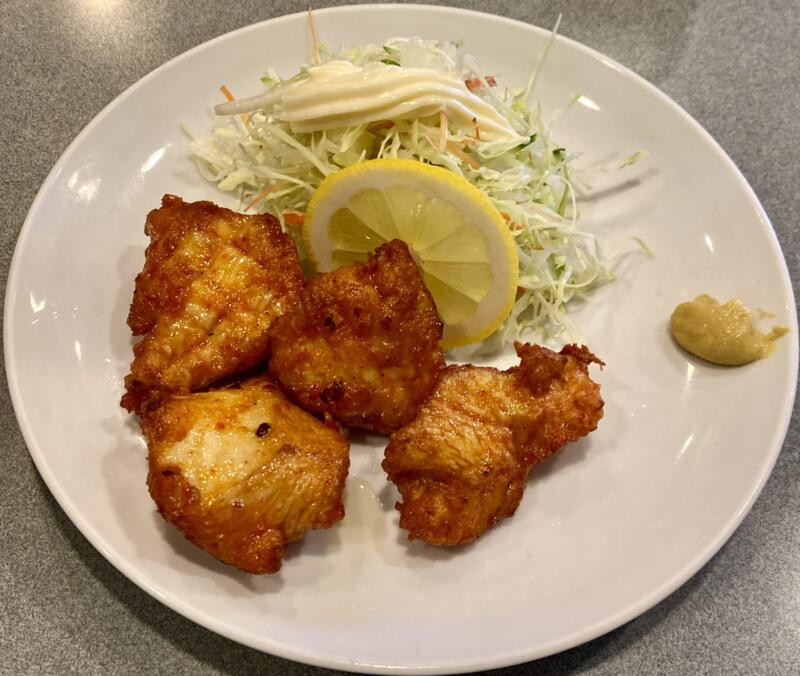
471	161
260	196
442	130
314	44
475	83
231	98
477	129
227	93
512	224
293	217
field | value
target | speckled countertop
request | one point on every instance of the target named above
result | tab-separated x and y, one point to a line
734	66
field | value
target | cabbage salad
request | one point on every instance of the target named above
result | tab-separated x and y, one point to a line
274	168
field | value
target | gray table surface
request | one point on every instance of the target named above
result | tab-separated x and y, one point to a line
734	66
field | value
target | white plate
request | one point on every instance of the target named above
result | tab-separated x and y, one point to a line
607	528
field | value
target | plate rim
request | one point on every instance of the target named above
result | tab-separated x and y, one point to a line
304	656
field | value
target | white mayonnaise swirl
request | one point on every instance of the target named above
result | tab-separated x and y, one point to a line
340	94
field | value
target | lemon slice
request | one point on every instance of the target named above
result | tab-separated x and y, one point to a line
458	239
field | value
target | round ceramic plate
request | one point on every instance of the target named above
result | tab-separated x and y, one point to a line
607	528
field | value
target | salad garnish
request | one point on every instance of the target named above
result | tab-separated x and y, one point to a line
286	142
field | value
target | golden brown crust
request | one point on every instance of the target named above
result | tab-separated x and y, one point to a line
570	400
462	463
212	284
364	345
242	472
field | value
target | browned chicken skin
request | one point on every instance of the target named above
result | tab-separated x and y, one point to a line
463	462
364	344
212	284
242	472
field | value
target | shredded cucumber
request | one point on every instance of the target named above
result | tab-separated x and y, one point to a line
275	170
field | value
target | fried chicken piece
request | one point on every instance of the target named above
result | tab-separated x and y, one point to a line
242	471
212	284
463	462
364	344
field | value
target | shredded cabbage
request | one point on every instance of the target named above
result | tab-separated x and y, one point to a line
275	170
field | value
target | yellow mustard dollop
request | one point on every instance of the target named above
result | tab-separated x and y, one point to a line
721	334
